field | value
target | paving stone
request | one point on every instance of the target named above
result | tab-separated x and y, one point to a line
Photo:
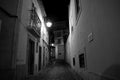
57	71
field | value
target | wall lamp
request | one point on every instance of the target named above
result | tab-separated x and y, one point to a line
49	24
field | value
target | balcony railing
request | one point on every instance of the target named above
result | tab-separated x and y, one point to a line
35	23
34	29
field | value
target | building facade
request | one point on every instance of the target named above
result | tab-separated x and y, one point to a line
33	40
59	44
8	22
60	33
93	43
24	39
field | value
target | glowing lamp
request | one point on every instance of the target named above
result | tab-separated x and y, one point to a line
49	24
52	44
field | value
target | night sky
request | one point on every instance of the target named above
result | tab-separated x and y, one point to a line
56	9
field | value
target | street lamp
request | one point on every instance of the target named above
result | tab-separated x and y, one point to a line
49	24
52	44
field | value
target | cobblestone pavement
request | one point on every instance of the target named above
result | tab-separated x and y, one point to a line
57	71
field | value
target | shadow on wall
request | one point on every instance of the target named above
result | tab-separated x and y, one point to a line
113	72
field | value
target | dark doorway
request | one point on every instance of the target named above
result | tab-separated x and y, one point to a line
39	58
81	60
74	61
43	56
31	56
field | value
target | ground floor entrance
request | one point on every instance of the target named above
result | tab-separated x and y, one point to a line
31	45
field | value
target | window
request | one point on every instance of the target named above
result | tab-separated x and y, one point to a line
38	23
81	60
58	34
74	61
37	47
32	15
77	6
72	29
59	41
0	24
59	53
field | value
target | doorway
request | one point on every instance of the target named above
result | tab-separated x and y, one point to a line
31	45
39	58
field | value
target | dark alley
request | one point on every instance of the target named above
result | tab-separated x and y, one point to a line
59	39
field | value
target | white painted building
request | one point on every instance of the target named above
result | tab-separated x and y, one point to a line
59	52
23	39
94	41
59	44
32	49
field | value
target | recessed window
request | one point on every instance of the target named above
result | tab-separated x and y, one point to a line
0	24
59	41
74	61
82	60
58	34
72	29
77	6
37	47
59	53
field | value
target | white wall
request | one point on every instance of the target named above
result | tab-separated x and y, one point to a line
60	52
22	39
100	17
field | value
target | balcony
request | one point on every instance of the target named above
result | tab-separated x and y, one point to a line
34	30
34	24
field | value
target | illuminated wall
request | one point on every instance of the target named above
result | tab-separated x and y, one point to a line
24	36
44	33
95	34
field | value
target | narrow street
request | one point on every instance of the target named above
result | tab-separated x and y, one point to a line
59	39
57	71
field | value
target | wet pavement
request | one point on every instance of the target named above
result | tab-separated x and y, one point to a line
57	71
